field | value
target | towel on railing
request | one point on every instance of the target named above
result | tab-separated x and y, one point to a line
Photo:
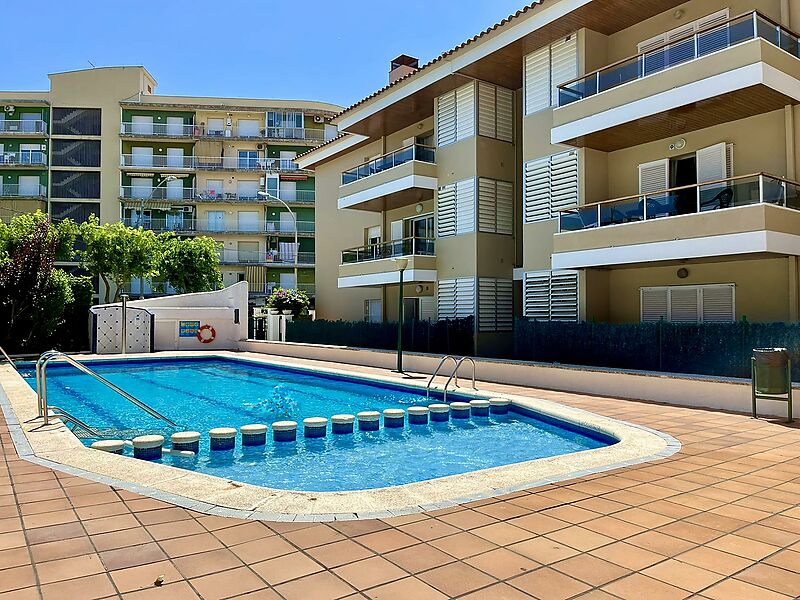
286	251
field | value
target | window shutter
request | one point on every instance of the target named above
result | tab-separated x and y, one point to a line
396	230
446	210
684	304
681	48
495	304
465	206
487	205
653	61
487	109
729	160
427	308
564	60
505	207
465	111
654	176
715	38
551	295
537	80
712	163
718	304
446	119
455	298
505	115
551	184
537	190
654	304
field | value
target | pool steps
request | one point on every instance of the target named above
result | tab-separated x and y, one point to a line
187	443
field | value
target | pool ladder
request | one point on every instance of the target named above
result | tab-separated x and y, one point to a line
8	358
41	391
454	375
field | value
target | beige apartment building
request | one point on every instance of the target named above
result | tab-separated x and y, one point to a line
603	160
101	141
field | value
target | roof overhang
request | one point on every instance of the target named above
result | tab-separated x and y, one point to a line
330	150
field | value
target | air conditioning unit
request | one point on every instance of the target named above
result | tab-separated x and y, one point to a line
260	146
10	107
319	119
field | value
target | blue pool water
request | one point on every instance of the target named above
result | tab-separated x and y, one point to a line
200	394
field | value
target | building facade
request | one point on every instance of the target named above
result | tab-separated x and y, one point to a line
589	160
100	141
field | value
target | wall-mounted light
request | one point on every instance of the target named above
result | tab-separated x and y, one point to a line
418	208
419	289
683	273
679	144
678	14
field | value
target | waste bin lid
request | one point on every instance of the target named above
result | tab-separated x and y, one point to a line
771	357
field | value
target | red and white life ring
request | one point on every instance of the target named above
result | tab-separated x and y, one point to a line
210	337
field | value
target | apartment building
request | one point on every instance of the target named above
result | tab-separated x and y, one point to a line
601	160
101	141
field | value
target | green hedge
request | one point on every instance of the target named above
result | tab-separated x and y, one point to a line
710	349
452	336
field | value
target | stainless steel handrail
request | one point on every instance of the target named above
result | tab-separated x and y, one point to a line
455	374
436	372
8	358
65	416
41	386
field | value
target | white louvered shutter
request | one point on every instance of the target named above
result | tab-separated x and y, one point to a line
712	163
505	115
681	47
718	304
654	304
537	80
455	298
446	119
729	160
536	301
537	190
684	303
564	61
563	181
427	308
446	299
551	295
446	210
465	206
487	109
465	111
654	176
716	36
495	304
487	205
654	58
505	207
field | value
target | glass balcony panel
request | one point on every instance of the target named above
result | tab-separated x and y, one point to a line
576	219
622	211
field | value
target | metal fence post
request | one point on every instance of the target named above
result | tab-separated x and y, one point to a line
124	333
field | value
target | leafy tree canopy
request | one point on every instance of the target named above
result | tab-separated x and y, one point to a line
189	265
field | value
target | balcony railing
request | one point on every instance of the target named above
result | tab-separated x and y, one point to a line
138	192
295	133
176	223
746	190
13	190
238	257
270	286
157	161
387	161
23	126
209	163
31	158
286	227
159	129
412	246
706	41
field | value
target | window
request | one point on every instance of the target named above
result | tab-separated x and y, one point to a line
495	112
216	127
689	303
551	295
495	304
75	184
373	311
495	206
455	205
551	184
546	69
455	115
248	159
274	119
248	251
76	121
455	298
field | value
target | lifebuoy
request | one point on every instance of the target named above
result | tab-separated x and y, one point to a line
206	339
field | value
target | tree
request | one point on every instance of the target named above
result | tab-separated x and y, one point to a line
189	265
33	293
118	253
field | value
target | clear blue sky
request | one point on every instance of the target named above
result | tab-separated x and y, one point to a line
335	51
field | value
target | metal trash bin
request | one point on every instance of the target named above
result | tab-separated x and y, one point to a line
771	371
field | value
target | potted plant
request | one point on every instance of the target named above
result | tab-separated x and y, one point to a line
288	301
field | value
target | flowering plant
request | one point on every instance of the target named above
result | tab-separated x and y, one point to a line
288	299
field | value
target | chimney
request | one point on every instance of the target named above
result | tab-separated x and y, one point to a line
401	66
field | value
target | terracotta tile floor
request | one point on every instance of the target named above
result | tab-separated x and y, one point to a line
718	520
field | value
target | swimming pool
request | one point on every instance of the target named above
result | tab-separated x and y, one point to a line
203	393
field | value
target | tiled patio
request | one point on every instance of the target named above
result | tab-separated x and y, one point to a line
719	520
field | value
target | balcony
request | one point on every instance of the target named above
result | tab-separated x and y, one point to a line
304	228
375	265
270	133
744	67
158	130
295	133
238	163
750	215
138	192
400	178
175	223
247	257
13	190
25	127
157	161
267	288
23	159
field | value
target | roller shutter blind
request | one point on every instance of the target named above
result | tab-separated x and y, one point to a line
551	184
689	304
551	295
495	206
495	304
455	298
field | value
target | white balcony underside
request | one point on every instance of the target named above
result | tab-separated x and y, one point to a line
388	277
398	185
753	242
738	79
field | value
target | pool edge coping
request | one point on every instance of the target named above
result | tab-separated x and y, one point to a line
613	427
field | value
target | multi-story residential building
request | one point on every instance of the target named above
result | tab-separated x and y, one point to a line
598	160
100	141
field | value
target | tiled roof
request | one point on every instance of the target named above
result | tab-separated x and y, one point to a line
444	55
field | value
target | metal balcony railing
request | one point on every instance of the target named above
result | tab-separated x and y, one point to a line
23	126
270	286
157	161
387	161
137	192
712	39
238	257
746	190
295	133
411	246
176	223
159	129
13	190
240	163
286	227
32	158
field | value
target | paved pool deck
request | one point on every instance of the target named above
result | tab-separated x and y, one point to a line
718	519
